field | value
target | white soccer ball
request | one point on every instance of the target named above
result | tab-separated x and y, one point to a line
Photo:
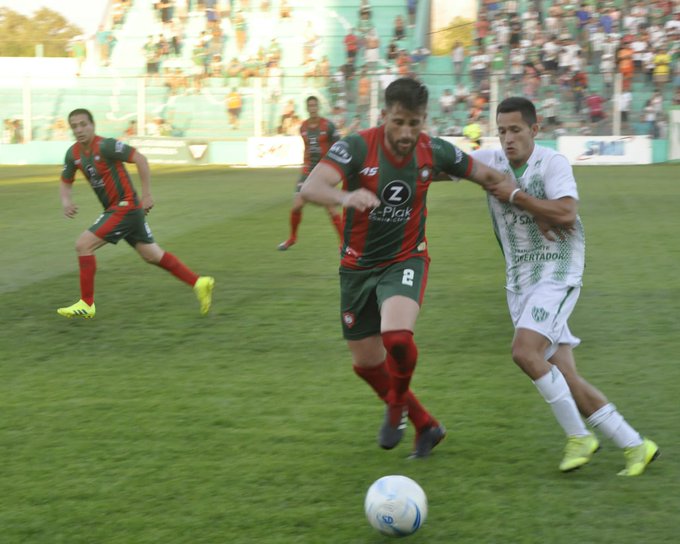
396	505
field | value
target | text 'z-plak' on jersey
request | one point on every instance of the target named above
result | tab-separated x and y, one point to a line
104	169
318	140
529	256
395	230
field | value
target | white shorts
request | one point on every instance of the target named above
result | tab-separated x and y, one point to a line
546	309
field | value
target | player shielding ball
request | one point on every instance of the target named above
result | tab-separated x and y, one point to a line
318	135
101	160
385	174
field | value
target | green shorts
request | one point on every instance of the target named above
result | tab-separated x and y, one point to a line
123	223
362	293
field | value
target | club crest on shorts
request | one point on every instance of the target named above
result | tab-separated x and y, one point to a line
348	319
539	314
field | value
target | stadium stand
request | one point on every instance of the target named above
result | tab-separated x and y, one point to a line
172	64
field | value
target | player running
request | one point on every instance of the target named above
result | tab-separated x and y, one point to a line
101	160
318	134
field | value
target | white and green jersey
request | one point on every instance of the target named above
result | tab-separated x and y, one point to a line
529	256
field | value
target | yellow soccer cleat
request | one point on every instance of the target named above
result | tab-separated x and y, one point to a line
79	309
578	451
203	289
638	457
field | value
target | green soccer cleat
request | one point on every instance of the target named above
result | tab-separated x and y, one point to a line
638	457
79	309
578	451
203	289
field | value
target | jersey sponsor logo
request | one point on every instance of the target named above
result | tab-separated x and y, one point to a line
368	171
539	314
119	146
339	152
92	177
394	196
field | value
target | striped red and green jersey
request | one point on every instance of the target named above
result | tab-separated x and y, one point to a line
395	230
104	169
318	140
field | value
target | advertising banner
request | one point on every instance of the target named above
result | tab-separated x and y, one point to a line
171	150
275	151
596	150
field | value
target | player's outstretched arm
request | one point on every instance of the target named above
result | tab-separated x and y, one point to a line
320	188
70	209
144	172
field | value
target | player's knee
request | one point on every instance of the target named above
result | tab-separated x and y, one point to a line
400	345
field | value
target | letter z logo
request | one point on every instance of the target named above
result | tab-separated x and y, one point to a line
396	193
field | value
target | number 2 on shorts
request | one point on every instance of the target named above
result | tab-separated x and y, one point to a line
407	278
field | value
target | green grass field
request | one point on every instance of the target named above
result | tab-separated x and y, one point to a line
151	424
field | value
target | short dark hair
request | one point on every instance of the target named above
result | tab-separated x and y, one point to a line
311	97
408	92
519	103
81	111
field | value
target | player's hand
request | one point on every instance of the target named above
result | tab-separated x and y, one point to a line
70	210
361	199
502	190
553	232
147	203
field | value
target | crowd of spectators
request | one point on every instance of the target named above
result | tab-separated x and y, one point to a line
571	53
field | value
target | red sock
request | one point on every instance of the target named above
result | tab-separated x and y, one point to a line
177	268
295	219
337	222
379	380
402	355
88	267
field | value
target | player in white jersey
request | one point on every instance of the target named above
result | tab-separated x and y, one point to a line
538	227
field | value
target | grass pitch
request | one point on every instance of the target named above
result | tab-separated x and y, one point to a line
151	424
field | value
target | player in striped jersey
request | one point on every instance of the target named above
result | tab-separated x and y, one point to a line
385	174
318	135
536	222
101	160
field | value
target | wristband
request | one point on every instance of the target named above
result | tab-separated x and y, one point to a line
511	200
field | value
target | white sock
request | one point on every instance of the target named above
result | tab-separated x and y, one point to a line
610	422
556	392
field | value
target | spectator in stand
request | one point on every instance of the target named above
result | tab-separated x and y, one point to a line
240	26
625	104
363	93
411	8
399	29
579	84
461	94
403	63
351	45
626	66
649	119
662	69
365	25
457	58
392	52
607	67
372	51
549	110
447	103
595	104
131	130
583	16
479	66
234	105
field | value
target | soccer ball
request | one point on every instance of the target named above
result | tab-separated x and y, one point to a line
395	505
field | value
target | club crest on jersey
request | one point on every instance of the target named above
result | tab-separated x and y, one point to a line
424	173
339	152
348	319
539	314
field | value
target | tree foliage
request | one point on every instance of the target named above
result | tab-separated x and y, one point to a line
19	34
459	30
